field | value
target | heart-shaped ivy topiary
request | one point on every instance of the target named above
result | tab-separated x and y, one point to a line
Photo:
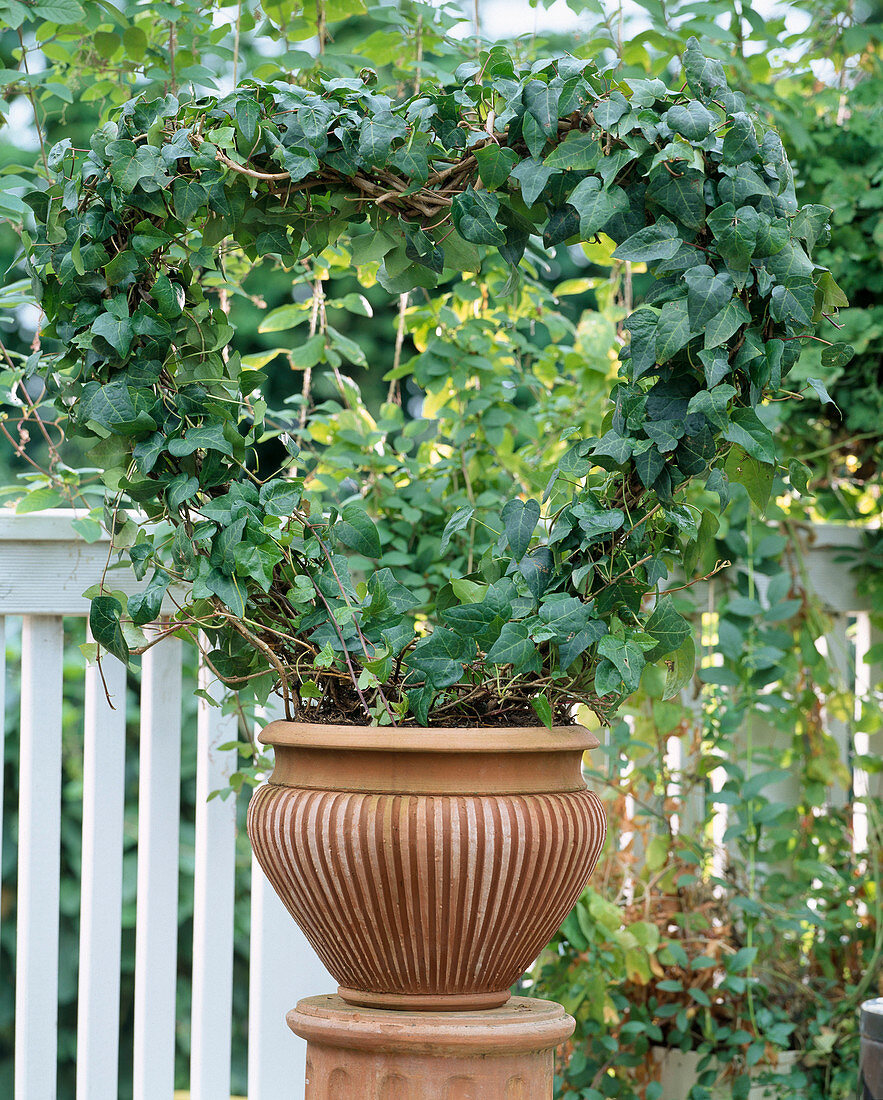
416	192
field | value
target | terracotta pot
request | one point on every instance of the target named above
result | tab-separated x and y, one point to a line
427	867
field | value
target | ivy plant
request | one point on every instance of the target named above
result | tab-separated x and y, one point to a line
563	599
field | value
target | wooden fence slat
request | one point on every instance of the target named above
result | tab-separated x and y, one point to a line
213	897
39	836
101	888
156	930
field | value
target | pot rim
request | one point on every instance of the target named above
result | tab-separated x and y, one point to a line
434	739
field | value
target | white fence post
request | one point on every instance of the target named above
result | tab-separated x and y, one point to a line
39	832
213	897
156	929
101	889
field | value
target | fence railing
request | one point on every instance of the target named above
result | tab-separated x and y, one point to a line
44	569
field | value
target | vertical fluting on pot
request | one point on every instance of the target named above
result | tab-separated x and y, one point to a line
428	899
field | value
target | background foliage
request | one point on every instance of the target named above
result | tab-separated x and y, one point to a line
818	76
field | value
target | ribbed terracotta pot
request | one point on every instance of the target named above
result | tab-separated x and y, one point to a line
427	867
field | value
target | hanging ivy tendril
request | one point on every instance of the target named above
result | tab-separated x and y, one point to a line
564	604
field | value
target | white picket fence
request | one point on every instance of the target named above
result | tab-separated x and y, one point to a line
44	569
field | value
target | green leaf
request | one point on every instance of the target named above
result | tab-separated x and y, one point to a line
513	647
38	500
227	590
474	214
377	134
544	710
707	294
117	331
144	607
203	437
248	113
672	330
532	175
169	297
541	100
130	164
724	324
62	12
441	657
793	302
668	628
740	141
681	666
280	498
520	519
655	242
810	224
356	530
595	206
681	194
628	660
458	521
756	476
821	392
691	120
705	76
579	151
495	163
104	622
413	158
188	196
837	355
536	567
754	437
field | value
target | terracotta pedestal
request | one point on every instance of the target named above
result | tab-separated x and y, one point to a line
358	1053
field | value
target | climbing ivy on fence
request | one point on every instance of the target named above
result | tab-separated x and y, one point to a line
289	584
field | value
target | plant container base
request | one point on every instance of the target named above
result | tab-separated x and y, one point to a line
356	1053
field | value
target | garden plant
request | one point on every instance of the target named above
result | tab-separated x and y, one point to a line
287	579
437	449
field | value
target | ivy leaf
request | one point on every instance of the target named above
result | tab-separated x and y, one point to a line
821	392
117	331
754	437
541	100
655	242
131	163
513	647
377	134
203	437
793	302
642	347
595	206
724	324
520	518
810	224
248	113
356	530
104	622
668	628
681	195
280	498
704	76
532	176
757	477
480	621
579	151
169	297
649	465
718	482
614	446
627	658
707	294
536	568
495	164
565	616
672	330
474	214
681	666
413	158
740	141
188	195
441	657
144	607
227	590
837	355
691	120
458	521
543	708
